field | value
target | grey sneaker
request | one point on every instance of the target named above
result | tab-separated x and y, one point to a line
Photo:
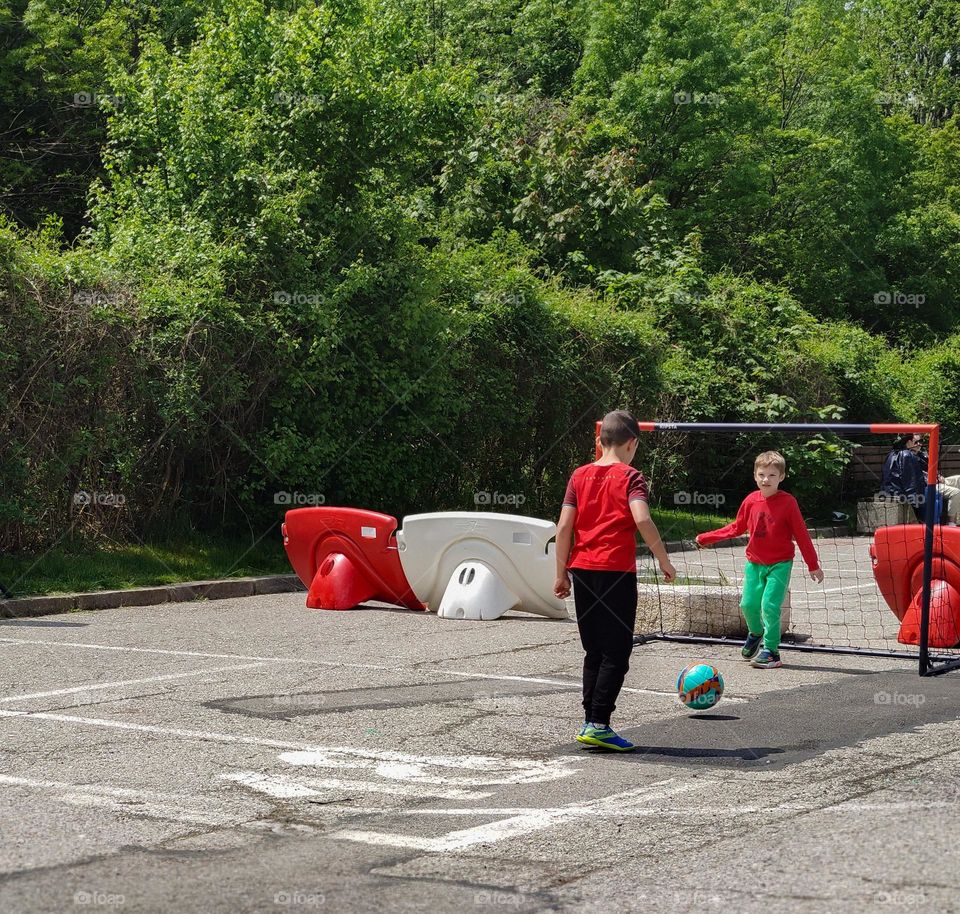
766	660
751	646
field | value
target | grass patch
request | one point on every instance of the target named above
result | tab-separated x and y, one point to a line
685	525
79	567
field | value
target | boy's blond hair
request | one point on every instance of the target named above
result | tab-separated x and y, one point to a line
771	459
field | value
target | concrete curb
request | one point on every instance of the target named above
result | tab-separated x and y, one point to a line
27	607
227	588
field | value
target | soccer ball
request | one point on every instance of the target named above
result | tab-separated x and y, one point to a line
699	686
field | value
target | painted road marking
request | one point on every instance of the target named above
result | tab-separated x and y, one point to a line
138	802
573	685
385	763
527	822
865	585
401	766
570	684
283	787
87	645
96	686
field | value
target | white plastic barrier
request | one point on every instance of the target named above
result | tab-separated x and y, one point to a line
478	565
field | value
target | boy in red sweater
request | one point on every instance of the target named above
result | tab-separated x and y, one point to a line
773	521
604	504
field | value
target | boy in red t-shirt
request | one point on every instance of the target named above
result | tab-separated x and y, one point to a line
604	504
774	521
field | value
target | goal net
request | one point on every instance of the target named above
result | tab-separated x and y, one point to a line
891	563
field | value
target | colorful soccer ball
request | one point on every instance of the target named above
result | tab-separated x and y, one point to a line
699	686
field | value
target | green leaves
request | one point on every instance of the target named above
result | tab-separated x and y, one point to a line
403	251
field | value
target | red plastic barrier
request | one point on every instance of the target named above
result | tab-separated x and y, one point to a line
897	554
346	556
944	617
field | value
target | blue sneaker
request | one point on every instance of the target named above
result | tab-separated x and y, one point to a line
766	660
604	737
751	646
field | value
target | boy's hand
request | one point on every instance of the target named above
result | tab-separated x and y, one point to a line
700	545
817	576
561	587
669	572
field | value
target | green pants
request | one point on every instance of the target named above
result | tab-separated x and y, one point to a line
764	587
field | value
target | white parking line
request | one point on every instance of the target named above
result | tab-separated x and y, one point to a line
563	682
139	802
385	763
402	766
87	645
284	787
97	686
871	585
528	821
566	683
148	728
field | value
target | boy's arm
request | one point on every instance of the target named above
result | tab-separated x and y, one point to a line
736	527
651	536
568	515
802	537
918	483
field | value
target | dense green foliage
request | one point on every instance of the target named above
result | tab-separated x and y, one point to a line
396	253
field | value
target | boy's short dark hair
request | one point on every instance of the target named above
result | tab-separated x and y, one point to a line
618	428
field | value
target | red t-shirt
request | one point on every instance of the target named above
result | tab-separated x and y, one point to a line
773	524
604	530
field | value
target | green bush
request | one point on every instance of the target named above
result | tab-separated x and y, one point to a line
398	254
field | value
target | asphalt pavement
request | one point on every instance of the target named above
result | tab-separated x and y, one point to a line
253	755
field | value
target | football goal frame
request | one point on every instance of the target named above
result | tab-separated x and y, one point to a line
930	664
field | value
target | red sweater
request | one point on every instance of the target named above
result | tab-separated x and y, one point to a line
773	523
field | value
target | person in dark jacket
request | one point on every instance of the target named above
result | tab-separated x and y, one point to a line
905	473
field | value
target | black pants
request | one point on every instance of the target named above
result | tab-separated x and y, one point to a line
606	603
